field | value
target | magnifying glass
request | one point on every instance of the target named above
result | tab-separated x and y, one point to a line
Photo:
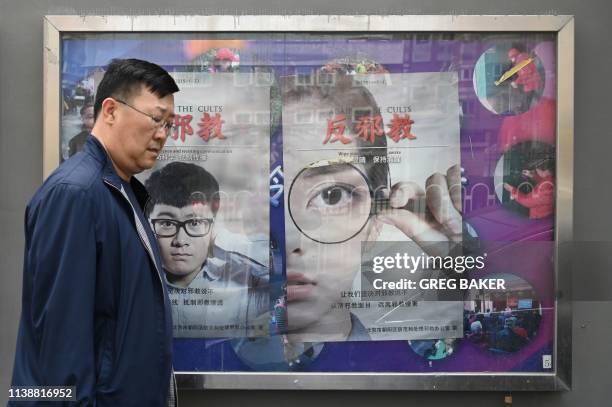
332	202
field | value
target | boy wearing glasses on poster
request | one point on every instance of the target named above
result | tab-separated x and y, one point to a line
207	285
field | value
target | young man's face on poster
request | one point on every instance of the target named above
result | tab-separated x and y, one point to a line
184	236
325	203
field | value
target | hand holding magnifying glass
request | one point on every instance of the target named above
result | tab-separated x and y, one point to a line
441	220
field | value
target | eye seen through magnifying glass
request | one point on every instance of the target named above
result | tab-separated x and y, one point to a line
330	203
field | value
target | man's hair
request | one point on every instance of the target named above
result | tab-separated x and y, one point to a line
85	107
180	184
125	77
540	156
544	164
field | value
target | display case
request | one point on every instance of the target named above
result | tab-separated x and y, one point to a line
393	199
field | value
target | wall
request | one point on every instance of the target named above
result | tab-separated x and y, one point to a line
21	88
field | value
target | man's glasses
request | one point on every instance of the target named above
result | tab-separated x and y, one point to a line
159	123
195	227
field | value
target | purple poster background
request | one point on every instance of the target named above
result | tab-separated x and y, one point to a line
517	241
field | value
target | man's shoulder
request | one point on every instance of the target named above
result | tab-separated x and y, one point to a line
80	174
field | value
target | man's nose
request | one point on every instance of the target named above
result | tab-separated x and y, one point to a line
161	133
181	238
294	240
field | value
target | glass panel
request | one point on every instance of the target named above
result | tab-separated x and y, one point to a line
346	163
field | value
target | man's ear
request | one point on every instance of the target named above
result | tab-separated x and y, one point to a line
108	111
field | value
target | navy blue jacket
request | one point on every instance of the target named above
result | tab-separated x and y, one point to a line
95	311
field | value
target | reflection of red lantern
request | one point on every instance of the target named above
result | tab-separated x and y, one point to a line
195	48
224	60
226	54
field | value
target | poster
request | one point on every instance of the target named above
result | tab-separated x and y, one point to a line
352	150
211	221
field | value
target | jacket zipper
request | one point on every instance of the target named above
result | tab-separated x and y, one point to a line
140	237
152	256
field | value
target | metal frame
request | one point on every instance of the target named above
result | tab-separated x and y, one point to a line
563	26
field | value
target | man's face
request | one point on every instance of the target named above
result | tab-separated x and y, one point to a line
318	273
183	255
88	118
138	137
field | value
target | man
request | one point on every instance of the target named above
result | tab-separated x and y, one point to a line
528	77
95	312
183	208
507	339
87	119
541	199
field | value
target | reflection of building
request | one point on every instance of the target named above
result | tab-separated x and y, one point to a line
81	57
478	195
304	58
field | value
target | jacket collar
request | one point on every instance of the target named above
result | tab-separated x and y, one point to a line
94	147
